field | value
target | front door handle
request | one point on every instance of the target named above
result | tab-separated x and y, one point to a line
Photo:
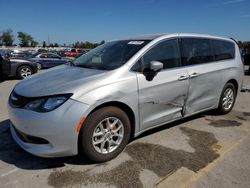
193	75
183	78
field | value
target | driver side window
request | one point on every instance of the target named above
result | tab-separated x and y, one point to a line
166	52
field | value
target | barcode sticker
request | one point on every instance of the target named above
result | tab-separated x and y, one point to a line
136	42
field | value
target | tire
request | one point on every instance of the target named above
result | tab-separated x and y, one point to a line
228	90
97	123
24	71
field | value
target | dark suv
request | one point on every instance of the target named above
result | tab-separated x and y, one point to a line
16	67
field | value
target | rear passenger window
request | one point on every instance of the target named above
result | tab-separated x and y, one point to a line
223	50
196	51
43	56
53	56
166	52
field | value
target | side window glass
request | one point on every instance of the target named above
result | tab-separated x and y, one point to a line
223	50
166	52
53	56
196	51
43	56
137	66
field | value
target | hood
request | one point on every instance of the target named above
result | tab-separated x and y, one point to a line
59	80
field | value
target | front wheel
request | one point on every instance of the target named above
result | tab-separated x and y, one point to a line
105	134
227	99
24	72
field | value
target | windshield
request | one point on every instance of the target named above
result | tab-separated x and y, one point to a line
110	55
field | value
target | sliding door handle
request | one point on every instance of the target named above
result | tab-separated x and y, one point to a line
193	75
183	78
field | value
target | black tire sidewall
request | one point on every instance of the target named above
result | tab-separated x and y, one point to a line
221	109
19	71
89	126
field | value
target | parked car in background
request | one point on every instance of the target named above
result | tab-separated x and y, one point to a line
75	52
48	60
247	60
20	68
120	90
19	54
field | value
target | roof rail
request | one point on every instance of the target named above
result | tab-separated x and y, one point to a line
234	41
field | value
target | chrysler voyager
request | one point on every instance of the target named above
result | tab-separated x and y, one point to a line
121	89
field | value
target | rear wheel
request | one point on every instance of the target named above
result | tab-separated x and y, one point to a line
227	99
105	134
24	71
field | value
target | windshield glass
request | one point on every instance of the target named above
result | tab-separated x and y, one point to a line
110	55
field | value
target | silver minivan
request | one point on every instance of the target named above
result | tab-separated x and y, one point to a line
121	89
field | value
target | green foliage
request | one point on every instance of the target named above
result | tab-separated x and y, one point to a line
54	45
44	44
245	44
102	42
87	44
33	43
26	40
7	38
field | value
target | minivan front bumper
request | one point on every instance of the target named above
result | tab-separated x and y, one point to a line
51	134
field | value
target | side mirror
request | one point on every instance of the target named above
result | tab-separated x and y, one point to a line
152	70
156	66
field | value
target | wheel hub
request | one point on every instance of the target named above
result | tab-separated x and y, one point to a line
108	135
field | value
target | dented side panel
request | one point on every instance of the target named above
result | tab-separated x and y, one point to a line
163	98
204	88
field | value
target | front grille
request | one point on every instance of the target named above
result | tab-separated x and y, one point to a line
16	100
29	139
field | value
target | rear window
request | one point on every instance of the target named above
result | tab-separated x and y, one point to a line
223	50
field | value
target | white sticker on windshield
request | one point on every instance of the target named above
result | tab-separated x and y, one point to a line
136	42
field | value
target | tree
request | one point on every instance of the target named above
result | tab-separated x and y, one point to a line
77	45
44	44
7	38
33	43
56	44
102	42
26	40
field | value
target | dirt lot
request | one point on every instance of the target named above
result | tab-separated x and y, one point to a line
202	151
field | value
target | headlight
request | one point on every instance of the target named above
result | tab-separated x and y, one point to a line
46	104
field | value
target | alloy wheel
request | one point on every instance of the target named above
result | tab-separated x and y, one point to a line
108	135
25	72
228	98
